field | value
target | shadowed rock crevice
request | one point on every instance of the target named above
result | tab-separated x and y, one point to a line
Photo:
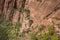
15	4
55	9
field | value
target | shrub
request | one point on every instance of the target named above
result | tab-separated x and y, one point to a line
3	34
54	37
22	9
51	29
45	36
40	27
39	38
32	36
10	31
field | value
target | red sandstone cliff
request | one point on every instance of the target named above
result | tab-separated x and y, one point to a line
45	12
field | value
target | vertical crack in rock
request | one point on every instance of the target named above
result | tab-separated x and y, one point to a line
2	6
23	3
15	4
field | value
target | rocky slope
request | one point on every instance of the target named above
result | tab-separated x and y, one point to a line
30	13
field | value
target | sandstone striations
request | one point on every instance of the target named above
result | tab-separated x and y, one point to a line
31	12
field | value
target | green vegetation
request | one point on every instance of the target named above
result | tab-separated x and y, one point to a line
39	0
40	27
3	34
58	25
54	37
13	31
22	33
39	38
22	9
27	11
51	29
32	36
9	31
47	35
28	30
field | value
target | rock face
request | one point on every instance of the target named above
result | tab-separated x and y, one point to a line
39	11
45	12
